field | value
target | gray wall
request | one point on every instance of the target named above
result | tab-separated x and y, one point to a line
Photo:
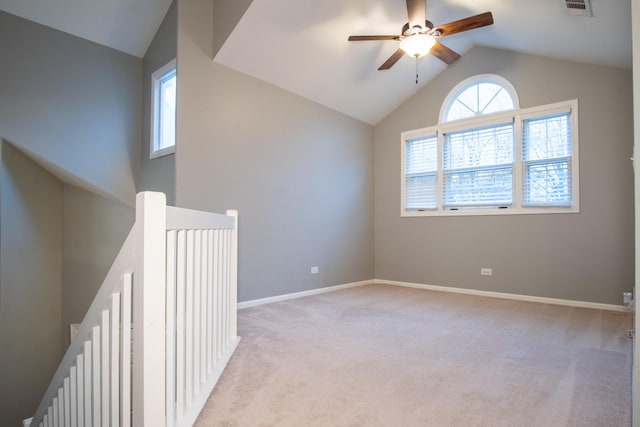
30	283
57	243
586	256
72	102
157	174
299	174
94	229
226	16
75	107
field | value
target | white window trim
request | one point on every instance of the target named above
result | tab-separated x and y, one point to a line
518	116
154	113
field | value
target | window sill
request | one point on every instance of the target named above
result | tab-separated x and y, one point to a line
163	152
489	211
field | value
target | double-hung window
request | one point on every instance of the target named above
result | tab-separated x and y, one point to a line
422	172
163	110
477	167
547	158
489	157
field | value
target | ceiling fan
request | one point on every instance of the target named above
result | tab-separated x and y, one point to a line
419	36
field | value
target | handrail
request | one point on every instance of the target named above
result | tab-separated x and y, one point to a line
188	219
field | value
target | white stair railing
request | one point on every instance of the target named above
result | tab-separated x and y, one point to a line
201	307
160	330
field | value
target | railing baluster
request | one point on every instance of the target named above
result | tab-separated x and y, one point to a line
225	290
95	375
220	292
125	363
228	291
88	382
55	418
216	295
210	310
181	264
170	345
67	402
203	306
73	396
189	323
80	388
114	388
197	258
60	419
104	367
233	265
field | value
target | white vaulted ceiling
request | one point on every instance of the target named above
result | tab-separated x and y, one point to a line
301	45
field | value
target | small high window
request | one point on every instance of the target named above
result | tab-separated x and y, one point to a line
163	110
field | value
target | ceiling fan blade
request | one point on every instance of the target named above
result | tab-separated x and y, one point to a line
392	60
444	54
416	9
361	38
466	24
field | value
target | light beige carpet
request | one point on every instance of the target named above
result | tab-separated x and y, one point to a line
382	355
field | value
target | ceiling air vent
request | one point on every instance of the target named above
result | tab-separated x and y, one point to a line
578	7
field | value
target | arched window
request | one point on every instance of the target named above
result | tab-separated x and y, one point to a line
479	95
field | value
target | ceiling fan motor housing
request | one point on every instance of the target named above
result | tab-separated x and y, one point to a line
406	31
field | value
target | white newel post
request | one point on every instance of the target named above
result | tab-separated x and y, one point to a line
234	276
149	311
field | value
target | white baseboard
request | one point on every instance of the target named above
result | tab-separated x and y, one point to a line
268	300
518	297
503	295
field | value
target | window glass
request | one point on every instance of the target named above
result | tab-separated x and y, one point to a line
167	136
547	160
478	96
477	166
163	110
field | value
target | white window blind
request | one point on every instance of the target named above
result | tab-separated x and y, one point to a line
546	155
421	167
478	167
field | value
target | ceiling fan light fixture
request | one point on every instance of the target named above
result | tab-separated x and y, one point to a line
417	45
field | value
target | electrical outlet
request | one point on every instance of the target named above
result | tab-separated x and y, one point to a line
314	270
484	271
630	333
627	299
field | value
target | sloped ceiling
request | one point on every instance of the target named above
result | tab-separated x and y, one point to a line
125	25
301	45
